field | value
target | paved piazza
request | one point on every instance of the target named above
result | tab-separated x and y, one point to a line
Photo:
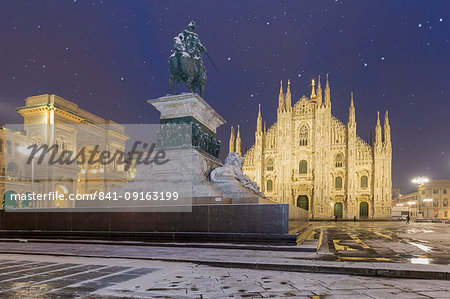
96	270
417	243
69	277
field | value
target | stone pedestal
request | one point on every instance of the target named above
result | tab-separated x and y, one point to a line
188	107
191	109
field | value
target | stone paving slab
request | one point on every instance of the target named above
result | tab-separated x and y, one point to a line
233	258
182	280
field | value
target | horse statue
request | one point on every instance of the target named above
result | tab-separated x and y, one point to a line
186	62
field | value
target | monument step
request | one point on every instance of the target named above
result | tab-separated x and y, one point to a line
151	238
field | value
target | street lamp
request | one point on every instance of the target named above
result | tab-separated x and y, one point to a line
420	181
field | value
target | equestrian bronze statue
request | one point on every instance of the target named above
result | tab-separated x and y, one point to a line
186	62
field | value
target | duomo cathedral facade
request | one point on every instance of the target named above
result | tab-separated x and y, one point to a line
310	159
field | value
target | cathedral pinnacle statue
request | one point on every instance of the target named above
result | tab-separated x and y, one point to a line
186	62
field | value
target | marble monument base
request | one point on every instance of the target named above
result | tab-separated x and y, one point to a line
191	109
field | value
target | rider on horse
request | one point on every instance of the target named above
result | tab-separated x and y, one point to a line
188	41
188	45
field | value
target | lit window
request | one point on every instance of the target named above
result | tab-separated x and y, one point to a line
8	148
303	136
445	202
303	167
269	165
12	170
338	183
364	181
269	185
339	160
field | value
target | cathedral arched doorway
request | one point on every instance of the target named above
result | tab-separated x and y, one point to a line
303	202
338	210
363	210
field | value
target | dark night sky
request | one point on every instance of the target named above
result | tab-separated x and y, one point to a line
109	57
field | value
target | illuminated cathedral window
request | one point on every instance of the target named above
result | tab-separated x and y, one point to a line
303	167
339	160
269	165
304	136
364	181
269	185
338	183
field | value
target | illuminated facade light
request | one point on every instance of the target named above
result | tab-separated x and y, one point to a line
420	180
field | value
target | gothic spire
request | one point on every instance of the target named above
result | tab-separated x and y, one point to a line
281	97
378	130
319	92
238	143
387	128
313	91
259	120
232	141
327	94
288	96
351	112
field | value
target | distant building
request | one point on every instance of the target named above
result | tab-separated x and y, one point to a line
396	191
430	203
50	119
310	159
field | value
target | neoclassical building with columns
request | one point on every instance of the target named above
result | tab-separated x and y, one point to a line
310	159
52	120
